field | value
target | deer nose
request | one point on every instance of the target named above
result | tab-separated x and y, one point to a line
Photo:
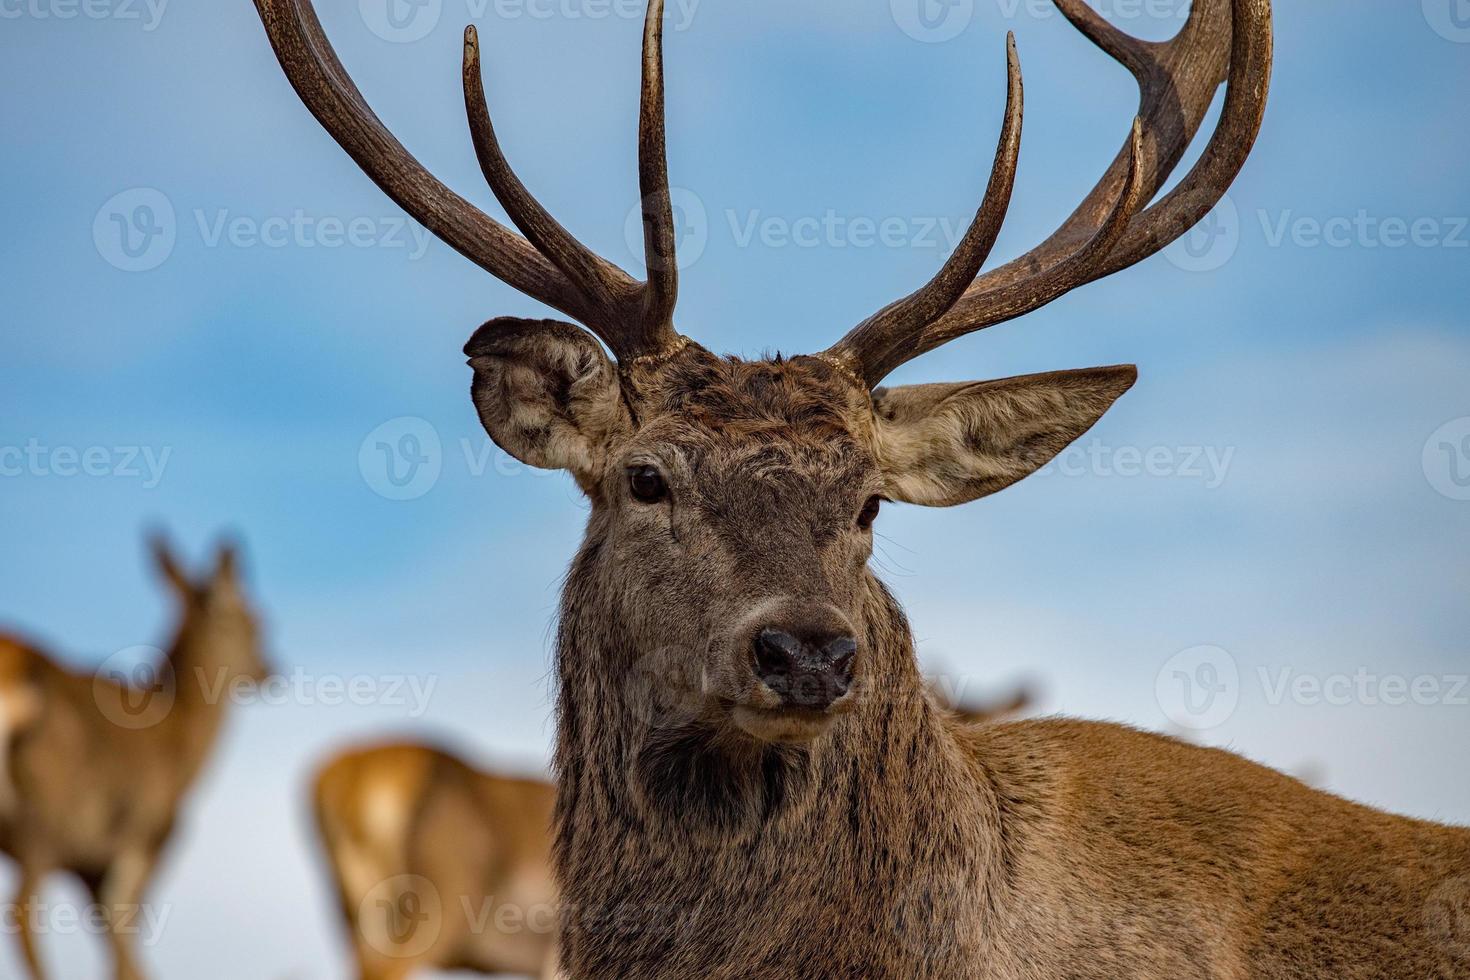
805	672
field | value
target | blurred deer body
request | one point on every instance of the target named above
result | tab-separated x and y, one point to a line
97	766
438	866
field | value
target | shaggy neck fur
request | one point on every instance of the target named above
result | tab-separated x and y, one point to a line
686	850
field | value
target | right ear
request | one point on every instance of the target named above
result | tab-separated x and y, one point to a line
168	566
548	395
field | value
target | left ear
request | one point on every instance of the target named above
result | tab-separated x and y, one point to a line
227	560
946	444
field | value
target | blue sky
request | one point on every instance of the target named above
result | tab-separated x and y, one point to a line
1285	484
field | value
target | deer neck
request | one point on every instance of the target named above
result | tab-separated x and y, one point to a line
687	829
204	687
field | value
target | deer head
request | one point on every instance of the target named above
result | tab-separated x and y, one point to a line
735	500
217	624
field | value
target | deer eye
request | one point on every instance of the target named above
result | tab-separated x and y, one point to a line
647	484
869	513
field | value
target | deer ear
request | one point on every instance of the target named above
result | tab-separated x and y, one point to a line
227	560
547	394
946	444
168	566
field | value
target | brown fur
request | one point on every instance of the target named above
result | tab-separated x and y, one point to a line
438	866
703	830
99	767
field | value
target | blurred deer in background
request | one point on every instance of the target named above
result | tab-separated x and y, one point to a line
438	866
812	813
985	711
96	765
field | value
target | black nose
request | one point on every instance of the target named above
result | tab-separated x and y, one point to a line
807	672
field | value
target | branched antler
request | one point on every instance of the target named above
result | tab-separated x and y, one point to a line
1223	39
548	264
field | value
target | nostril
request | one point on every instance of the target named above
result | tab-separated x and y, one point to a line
808	672
840	653
776	652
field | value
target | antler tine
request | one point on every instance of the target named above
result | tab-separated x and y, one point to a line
604	285
1177	82
633	318
659	245
328	92
548	264
1225	154
882	336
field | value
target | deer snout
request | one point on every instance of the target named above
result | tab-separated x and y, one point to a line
811	670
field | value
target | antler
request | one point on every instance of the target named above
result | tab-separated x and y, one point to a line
549	264
1177	81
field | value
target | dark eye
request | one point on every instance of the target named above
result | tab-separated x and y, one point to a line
647	484
869	513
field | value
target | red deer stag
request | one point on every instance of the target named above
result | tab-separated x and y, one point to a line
752	780
437	865
97	765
